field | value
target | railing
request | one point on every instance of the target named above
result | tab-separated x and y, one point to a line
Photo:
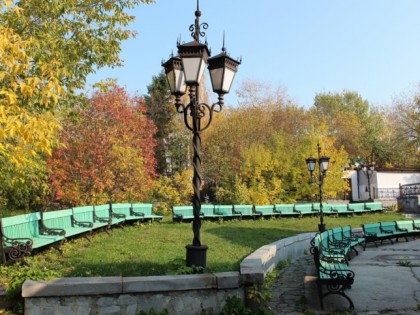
387	193
410	190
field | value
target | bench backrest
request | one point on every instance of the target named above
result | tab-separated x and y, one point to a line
284	208
405	225
389	226
83	214
58	219
346	231
21	226
264	209
356	206
145	208
373	205
374	228
244	209
304	207
207	209
339	207
102	211
326	207
121	208
223	209
185	211
337	233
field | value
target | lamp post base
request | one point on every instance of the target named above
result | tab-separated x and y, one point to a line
321	227
196	256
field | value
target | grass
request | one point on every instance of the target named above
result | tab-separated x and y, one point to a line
157	249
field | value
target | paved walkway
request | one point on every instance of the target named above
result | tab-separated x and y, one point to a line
387	281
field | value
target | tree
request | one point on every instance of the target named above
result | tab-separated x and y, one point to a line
107	152
47	50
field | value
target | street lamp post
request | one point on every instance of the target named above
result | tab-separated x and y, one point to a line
368	171
184	72
322	172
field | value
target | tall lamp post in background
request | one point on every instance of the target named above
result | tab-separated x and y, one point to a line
368	171
322	172
185	71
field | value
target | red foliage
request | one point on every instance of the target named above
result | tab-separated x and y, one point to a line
107	153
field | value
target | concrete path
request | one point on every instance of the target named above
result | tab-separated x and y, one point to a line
387	281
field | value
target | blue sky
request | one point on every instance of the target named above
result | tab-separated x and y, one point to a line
306	46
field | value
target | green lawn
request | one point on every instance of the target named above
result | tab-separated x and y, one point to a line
157	249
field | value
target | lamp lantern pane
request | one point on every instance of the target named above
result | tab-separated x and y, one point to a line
175	76
311	162
194	57
323	163
222	72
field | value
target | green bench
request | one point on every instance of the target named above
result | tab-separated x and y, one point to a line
123	210
340	209
334	275
285	210
21	234
392	228
265	211
326	208
407	226
226	211
145	209
304	209
87	214
373	233
374	206
356	207
244	210
64	220
207	211
182	213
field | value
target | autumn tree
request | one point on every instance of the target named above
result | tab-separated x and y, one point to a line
107	152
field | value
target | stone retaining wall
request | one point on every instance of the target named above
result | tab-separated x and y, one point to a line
183	294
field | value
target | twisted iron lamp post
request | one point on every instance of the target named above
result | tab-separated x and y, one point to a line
322	172
185	71
368	170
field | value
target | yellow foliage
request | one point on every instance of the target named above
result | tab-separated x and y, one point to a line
25	129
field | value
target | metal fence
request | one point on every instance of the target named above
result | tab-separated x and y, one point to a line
410	190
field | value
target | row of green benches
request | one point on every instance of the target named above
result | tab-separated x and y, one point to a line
331	250
381	231
182	213
22	234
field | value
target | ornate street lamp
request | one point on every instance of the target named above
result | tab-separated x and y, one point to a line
368	171
323	162
185	71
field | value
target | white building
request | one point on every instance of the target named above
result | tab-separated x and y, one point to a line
380	184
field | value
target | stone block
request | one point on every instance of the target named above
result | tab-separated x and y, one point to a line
72	287
168	283
227	280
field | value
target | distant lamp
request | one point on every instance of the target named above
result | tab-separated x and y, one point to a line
311	162
323	163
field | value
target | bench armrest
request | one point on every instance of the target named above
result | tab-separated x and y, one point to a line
81	223
118	215
101	219
43	230
135	213
219	213
416	226
236	212
387	231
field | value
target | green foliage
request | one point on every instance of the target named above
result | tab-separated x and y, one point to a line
235	306
17	275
